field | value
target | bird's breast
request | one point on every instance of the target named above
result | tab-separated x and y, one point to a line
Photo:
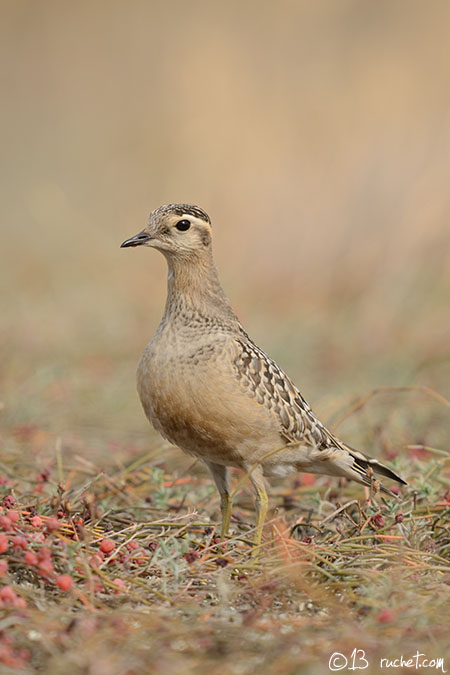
191	395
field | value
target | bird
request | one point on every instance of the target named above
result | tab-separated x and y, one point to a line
210	390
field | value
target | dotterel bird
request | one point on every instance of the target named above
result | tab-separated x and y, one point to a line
210	390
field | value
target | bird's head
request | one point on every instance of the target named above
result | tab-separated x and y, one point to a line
180	230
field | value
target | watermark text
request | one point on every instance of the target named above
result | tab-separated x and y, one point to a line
358	661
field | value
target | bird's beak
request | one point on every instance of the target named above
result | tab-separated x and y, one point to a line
137	240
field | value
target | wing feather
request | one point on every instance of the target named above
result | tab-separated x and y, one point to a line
264	380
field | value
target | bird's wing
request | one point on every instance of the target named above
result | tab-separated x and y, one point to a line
264	380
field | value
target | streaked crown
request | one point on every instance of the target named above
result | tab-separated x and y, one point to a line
179	210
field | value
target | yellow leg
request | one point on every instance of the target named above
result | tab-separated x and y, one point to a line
220	475
261	504
225	507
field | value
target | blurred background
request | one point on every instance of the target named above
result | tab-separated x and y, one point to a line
317	137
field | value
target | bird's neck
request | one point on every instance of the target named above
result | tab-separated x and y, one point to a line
193	289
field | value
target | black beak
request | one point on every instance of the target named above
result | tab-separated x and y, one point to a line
137	240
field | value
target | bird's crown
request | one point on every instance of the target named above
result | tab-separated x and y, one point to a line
179	210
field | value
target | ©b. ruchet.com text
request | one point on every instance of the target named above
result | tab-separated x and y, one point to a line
357	660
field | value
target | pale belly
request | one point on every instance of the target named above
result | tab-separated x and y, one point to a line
203	410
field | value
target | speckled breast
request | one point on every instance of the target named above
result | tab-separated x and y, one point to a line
193	398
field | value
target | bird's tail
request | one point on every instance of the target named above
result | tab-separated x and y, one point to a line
366	466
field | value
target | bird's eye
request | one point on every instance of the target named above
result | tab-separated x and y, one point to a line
183	225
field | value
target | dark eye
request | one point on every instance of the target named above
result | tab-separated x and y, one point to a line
183	225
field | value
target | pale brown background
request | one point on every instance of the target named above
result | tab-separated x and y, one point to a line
317	136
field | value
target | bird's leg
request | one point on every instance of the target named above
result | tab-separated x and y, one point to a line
225	508
220	475
261	503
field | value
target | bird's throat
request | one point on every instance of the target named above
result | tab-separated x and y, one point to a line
193	285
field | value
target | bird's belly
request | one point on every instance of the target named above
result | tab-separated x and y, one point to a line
203	412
